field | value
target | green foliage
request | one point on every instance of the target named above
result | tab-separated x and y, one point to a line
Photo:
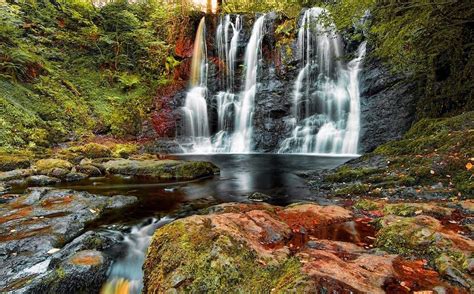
69	69
432	40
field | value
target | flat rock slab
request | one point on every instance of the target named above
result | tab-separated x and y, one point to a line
162	169
259	248
35	227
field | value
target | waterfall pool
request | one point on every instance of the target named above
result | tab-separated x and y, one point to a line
277	175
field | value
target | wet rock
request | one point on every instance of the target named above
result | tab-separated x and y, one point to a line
45	166
42	181
11	162
17	174
263	248
162	147
162	169
89	170
75	177
423	236
259	197
58	172
4	188
34	229
395	99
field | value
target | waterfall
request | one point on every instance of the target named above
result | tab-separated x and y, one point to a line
126	274
227	48
227	38
195	107
326	92
242	137
235	111
325	116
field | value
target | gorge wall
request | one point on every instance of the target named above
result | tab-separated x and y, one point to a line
387	101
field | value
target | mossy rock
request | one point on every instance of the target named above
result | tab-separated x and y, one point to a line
424	237
92	150
355	189
45	166
193	258
348	174
11	162
161	169
365	204
124	150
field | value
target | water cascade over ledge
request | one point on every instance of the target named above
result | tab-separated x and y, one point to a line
326	106
195	108
325	111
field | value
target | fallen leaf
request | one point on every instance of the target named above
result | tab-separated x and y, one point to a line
469	166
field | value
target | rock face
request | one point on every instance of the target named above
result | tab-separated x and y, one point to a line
387	100
260	248
35	227
388	104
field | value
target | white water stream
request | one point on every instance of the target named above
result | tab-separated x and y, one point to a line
326	106
326	98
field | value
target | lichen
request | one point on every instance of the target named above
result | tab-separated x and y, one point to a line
194	258
365	204
46	165
420	237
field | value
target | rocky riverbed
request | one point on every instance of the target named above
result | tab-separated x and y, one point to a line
306	247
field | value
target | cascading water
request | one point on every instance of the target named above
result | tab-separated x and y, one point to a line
326	92
242	136
195	108
226	100
227	47
235	111
126	275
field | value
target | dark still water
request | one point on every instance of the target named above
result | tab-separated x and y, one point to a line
241	175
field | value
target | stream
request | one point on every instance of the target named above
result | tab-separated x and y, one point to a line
160	202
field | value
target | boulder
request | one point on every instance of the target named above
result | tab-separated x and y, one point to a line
161	169
89	169
75	177
11	162
45	166
58	172
16	174
42	181
259	248
34	230
259	197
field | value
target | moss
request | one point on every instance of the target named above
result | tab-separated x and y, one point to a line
443	135
11	162
348	174
163	169
418	237
365	204
91	150
46	165
193	169
402	209
124	150
355	189
193	258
